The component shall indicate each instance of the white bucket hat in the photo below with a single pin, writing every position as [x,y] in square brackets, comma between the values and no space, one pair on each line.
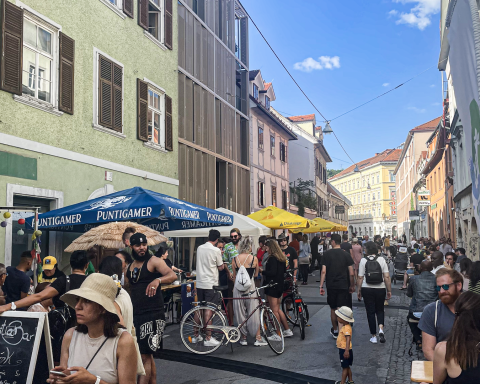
[97,287]
[345,313]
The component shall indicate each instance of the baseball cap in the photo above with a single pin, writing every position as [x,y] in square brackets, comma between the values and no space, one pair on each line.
[138,238]
[49,263]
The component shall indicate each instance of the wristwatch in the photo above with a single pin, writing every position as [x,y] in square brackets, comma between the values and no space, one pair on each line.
[98,380]
[13,306]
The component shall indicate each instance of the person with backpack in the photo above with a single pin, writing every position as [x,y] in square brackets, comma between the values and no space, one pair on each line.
[373,282]
[245,269]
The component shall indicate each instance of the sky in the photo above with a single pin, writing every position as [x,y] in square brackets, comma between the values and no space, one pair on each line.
[344,53]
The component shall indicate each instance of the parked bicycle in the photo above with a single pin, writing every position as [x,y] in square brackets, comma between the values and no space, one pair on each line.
[206,321]
[295,309]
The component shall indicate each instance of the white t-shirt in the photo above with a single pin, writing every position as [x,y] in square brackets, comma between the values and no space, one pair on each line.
[361,272]
[209,258]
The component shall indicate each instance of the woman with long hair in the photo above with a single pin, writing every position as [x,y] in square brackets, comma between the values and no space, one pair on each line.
[242,308]
[457,360]
[274,272]
[465,265]
[98,350]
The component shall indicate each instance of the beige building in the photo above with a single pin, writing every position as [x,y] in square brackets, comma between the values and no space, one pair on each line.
[268,148]
[406,175]
[338,206]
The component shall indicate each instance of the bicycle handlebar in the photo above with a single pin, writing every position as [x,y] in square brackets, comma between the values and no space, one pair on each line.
[256,289]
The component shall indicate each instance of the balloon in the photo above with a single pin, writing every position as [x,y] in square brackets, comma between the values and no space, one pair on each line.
[21,221]
[20,232]
[3,224]
[38,233]
[7,215]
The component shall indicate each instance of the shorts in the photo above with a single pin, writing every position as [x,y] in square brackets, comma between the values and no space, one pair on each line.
[337,298]
[149,328]
[345,363]
[208,295]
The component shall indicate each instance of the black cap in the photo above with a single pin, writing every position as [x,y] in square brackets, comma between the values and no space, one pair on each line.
[138,238]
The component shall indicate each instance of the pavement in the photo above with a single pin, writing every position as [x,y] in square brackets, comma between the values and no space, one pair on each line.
[314,360]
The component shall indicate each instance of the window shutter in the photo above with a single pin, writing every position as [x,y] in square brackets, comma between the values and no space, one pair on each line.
[11,48]
[142,110]
[169,24]
[66,84]
[105,92]
[168,124]
[143,14]
[128,8]
[117,98]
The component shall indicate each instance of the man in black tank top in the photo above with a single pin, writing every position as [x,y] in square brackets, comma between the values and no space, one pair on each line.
[145,275]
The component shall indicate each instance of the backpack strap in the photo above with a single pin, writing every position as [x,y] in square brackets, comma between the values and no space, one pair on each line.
[67,284]
[436,309]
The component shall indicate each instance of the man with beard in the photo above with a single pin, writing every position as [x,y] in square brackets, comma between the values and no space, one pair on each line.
[230,251]
[145,275]
[290,252]
[438,317]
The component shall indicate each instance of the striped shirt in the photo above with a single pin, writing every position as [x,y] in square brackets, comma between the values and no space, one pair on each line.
[474,288]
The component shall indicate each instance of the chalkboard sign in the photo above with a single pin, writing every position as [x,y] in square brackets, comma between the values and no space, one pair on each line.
[20,336]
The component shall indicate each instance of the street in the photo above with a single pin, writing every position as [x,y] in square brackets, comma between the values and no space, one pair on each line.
[313,360]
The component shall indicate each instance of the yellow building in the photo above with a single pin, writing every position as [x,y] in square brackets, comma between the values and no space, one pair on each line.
[371,191]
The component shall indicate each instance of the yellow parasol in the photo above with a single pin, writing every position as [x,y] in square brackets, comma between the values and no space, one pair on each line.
[317,225]
[276,218]
[340,228]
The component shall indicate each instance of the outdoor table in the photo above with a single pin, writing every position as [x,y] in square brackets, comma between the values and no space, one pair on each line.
[170,286]
[422,371]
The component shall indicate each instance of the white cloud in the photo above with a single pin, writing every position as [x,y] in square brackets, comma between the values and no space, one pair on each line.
[385,84]
[420,15]
[436,104]
[432,86]
[323,62]
[418,110]
[393,12]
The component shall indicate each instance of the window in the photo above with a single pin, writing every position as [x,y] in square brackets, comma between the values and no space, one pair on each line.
[363,182]
[378,195]
[284,199]
[272,145]
[364,198]
[378,179]
[392,177]
[379,212]
[156,120]
[255,91]
[261,194]
[368,197]
[38,61]
[155,27]
[267,102]
[260,137]
[283,152]
[274,196]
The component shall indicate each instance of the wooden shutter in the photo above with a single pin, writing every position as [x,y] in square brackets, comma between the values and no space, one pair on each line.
[11,46]
[142,110]
[117,98]
[143,14]
[66,83]
[169,24]
[128,8]
[168,124]
[105,92]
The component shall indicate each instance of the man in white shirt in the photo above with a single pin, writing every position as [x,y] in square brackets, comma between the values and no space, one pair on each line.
[209,262]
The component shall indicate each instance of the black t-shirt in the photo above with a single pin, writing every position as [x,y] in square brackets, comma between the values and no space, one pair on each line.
[61,286]
[291,254]
[17,282]
[50,279]
[337,262]
[346,246]
[169,263]
[417,258]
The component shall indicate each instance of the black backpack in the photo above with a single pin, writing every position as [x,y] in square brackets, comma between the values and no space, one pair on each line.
[373,271]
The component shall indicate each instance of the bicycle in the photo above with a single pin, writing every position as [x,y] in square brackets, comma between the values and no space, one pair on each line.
[194,329]
[295,309]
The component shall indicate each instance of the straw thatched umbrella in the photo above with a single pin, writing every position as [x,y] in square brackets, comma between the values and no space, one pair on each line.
[110,236]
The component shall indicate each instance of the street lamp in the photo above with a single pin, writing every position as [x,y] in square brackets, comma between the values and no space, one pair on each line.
[368,186]
[356,169]
[327,130]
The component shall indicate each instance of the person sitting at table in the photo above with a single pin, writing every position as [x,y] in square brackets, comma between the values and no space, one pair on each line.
[457,360]
[162,253]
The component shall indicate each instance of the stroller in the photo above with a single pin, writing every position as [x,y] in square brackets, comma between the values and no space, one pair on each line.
[400,264]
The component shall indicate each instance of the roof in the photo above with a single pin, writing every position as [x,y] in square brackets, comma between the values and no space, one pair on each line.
[335,192]
[299,119]
[266,86]
[253,74]
[428,126]
[387,156]
[318,128]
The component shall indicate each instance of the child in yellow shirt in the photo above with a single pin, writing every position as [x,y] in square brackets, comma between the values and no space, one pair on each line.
[344,343]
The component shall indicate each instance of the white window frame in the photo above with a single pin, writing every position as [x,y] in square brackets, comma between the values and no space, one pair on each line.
[267,104]
[161,92]
[95,124]
[117,7]
[255,88]
[161,9]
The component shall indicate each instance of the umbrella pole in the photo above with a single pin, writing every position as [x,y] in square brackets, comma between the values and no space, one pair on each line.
[35,249]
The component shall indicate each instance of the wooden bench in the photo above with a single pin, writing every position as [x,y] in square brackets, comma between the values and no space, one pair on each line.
[422,371]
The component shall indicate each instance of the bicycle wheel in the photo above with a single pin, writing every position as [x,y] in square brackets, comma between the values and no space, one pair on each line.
[288,308]
[301,324]
[198,336]
[272,331]
[306,315]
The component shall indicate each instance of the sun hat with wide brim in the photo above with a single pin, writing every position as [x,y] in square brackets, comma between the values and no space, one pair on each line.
[345,313]
[98,288]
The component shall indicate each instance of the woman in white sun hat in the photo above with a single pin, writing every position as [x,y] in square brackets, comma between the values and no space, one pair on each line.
[98,350]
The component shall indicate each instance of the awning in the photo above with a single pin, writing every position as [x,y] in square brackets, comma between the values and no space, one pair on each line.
[246,226]
[276,218]
[152,209]
[317,225]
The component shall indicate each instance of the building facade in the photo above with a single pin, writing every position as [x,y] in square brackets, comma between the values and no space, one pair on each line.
[213,130]
[338,206]
[406,176]
[268,148]
[371,192]
[85,109]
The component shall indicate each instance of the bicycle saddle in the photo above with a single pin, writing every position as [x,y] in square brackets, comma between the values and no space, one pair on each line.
[220,287]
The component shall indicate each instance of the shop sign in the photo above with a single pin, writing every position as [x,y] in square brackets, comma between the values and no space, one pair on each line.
[434,206]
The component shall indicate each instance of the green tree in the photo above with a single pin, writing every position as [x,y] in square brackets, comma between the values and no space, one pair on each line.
[304,195]
[333,172]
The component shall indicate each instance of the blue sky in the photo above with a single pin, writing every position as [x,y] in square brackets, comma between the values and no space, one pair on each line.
[343,53]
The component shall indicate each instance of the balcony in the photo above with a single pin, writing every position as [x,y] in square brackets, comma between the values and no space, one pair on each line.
[360,216]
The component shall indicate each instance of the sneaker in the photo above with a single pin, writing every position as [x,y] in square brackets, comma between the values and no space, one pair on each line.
[373,340]
[334,333]
[349,382]
[287,333]
[274,337]
[196,339]
[211,343]
[304,283]
[243,342]
[381,335]
[311,274]
[260,342]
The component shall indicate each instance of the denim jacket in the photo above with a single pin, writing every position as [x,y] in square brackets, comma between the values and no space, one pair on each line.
[422,291]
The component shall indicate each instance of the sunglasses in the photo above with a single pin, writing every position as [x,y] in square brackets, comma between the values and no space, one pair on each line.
[135,275]
[444,286]
[235,237]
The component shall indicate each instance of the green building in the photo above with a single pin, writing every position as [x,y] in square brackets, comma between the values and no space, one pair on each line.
[88,106]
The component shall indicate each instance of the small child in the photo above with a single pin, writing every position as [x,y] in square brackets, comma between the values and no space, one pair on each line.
[344,343]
